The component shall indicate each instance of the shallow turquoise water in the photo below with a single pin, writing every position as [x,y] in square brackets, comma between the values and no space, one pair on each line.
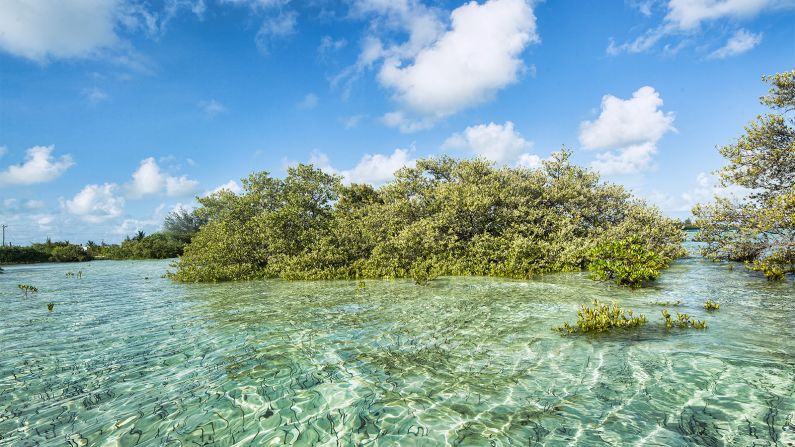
[129,358]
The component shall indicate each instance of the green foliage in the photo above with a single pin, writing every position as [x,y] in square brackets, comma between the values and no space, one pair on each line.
[626,262]
[711,305]
[50,306]
[153,246]
[668,303]
[27,288]
[69,253]
[682,321]
[22,255]
[182,225]
[602,318]
[759,228]
[441,217]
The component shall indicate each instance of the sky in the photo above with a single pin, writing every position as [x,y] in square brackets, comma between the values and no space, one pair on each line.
[115,112]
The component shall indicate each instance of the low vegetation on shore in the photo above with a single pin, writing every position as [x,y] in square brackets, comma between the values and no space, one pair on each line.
[178,229]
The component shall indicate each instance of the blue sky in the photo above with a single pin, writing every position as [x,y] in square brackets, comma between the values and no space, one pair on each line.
[113,112]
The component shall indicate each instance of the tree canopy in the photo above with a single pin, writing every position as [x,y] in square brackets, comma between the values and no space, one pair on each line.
[440,217]
[758,228]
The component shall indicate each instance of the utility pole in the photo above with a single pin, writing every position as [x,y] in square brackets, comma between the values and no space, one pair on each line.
[4,234]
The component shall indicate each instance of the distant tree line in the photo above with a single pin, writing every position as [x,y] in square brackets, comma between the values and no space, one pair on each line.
[178,229]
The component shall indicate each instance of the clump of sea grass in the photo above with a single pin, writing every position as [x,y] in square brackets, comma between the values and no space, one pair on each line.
[50,306]
[682,321]
[668,303]
[602,318]
[711,305]
[27,288]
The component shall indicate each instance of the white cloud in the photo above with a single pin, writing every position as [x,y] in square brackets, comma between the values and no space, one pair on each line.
[34,204]
[641,44]
[279,26]
[211,107]
[407,124]
[328,45]
[95,95]
[44,220]
[468,64]
[377,168]
[686,17]
[529,161]
[308,103]
[496,142]
[689,14]
[231,186]
[148,179]
[627,121]
[739,43]
[39,167]
[180,186]
[632,126]
[351,122]
[707,187]
[374,169]
[40,30]
[627,160]
[96,203]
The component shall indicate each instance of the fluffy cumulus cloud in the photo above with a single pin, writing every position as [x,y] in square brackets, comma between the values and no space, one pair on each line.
[627,121]
[149,179]
[629,129]
[497,142]
[374,169]
[231,186]
[739,43]
[180,186]
[687,18]
[40,166]
[466,65]
[42,30]
[96,203]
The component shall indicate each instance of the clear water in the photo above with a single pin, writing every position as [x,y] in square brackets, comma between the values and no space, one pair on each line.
[129,358]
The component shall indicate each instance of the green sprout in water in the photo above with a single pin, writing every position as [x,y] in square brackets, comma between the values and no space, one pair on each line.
[27,288]
[668,303]
[50,306]
[682,321]
[711,305]
[602,318]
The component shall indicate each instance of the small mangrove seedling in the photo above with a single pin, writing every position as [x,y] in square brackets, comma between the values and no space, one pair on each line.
[682,321]
[711,305]
[27,288]
[79,273]
[668,303]
[50,306]
[601,318]
[70,274]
